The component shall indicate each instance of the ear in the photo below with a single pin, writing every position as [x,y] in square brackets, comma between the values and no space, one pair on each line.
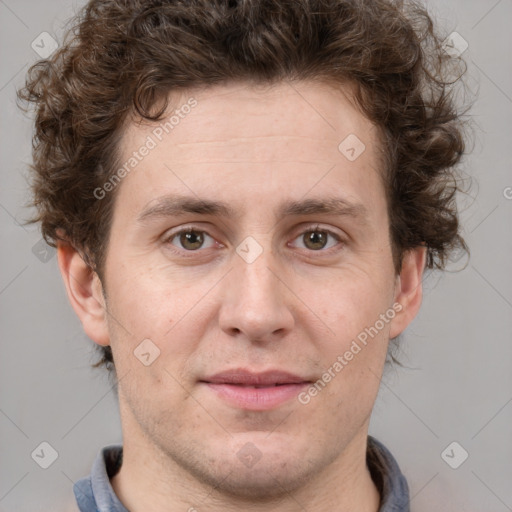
[408,289]
[85,292]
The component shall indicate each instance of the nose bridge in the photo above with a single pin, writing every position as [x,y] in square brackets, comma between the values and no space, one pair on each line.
[252,271]
[256,278]
[255,303]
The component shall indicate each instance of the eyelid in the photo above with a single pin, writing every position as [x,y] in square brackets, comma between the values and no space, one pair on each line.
[315,226]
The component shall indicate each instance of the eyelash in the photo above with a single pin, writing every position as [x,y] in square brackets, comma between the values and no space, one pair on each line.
[313,228]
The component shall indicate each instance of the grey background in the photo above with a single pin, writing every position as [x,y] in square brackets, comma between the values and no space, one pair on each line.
[459,350]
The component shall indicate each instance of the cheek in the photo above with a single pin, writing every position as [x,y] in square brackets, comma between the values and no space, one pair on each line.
[173,316]
[351,374]
[149,302]
[349,299]
[151,394]
[357,308]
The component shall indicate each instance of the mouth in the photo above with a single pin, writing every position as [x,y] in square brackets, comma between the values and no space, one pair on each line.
[244,389]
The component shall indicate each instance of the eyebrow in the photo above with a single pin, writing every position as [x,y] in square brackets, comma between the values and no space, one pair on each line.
[177,205]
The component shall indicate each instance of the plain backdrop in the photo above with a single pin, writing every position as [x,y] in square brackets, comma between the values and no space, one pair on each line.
[458,384]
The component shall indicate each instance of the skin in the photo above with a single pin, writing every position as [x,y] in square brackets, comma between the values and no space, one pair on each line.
[297,307]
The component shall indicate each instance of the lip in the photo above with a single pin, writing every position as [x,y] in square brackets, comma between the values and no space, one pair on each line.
[261,391]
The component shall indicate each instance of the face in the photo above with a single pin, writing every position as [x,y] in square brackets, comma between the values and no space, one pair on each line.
[251,251]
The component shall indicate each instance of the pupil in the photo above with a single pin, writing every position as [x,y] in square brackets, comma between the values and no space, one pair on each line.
[191,240]
[316,240]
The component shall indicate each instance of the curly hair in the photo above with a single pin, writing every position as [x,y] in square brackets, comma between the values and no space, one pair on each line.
[123,57]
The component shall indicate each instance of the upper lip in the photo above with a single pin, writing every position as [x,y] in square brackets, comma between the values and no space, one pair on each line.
[245,377]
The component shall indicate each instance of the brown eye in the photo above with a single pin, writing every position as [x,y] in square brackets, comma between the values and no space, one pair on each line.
[315,239]
[191,240]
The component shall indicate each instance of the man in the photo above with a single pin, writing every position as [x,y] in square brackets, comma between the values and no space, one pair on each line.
[244,196]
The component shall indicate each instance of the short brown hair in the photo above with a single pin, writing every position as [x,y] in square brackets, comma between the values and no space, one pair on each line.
[124,56]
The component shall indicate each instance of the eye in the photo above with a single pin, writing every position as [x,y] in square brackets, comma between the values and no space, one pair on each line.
[189,239]
[317,239]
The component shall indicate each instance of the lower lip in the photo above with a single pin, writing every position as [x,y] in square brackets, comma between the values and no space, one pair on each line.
[256,399]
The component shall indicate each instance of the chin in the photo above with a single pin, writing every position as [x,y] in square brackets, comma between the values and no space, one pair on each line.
[254,467]
[266,481]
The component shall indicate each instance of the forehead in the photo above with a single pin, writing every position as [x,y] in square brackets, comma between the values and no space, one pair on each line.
[262,136]
[240,114]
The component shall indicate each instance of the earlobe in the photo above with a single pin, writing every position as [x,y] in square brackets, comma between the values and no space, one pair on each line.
[84,291]
[409,290]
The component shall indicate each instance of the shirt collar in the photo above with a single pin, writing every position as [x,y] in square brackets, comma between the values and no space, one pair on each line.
[388,478]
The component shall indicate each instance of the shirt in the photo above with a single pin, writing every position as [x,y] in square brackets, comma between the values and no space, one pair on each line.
[95,494]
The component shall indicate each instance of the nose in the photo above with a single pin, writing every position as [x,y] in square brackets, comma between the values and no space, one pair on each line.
[256,301]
